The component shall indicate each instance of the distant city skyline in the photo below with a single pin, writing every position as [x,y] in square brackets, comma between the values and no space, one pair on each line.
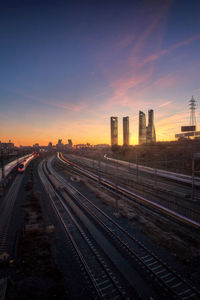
[146,132]
[67,67]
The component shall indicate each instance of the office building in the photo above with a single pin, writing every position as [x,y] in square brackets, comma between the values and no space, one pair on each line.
[142,128]
[126,131]
[114,130]
[50,146]
[59,145]
[70,143]
[150,130]
[7,146]
[147,134]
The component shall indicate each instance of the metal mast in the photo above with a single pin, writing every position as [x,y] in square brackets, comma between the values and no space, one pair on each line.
[192,105]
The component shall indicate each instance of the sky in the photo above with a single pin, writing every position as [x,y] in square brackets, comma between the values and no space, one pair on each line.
[66,67]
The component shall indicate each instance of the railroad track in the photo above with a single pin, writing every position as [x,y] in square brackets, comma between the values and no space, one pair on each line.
[3,287]
[103,167]
[6,210]
[157,268]
[151,186]
[141,200]
[160,172]
[100,276]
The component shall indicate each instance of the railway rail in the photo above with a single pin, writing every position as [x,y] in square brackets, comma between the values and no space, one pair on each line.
[11,165]
[136,176]
[132,195]
[162,173]
[156,268]
[102,279]
[176,200]
[6,210]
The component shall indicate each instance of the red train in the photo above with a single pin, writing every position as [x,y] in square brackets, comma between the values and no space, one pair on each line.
[21,168]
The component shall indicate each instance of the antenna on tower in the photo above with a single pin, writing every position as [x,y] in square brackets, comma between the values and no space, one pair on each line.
[192,105]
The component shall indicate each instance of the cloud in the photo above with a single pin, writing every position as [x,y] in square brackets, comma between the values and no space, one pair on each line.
[120,88]
[76,107]
[165,81]
[171,120]
[129,73]
[124,42]
[140,43]
[161,53]
[165,104]
[138,75]
[169,125]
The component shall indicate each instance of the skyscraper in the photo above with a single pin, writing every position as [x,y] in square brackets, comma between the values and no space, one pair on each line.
[151,134]
[70,143]
[142,128]
[114,130]
[126,131]
[59,145]
[50,146]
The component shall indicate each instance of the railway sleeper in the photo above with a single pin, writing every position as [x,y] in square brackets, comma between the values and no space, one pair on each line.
[170,280]
[190,296]
[112,294]
[185,292]
[102,283]
[165,276]
[148,260]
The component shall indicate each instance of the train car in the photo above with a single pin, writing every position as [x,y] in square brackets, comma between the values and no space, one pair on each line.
[36,154]
[21,168]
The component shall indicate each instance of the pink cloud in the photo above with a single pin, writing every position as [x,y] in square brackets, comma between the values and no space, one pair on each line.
[133,60]
[165,104]
[124,42]
[122,85]
[134,76]
[59,103]
[78,107]
[161,53]
[165,81]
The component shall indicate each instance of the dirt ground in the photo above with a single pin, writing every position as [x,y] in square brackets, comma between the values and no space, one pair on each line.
[35,275]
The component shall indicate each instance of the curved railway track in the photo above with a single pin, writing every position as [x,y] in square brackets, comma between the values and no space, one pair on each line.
[108,184]
[162,173]
[137,176]
[7,205]
[103,280]
[172,201]
[6,210]
[157,268]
